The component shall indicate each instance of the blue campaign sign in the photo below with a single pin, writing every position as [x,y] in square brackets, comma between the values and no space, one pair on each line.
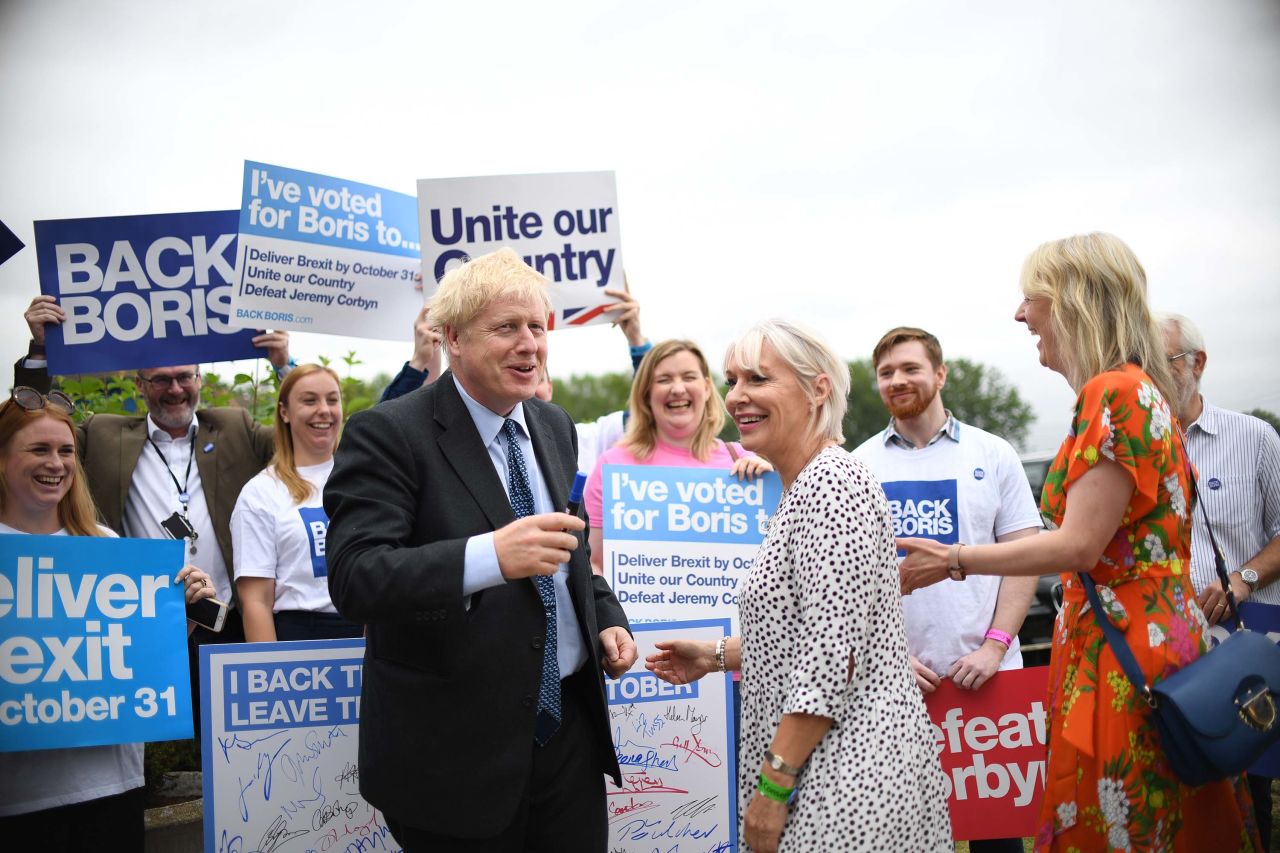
[672,504]
[141,291]
[93,642]
[290,204]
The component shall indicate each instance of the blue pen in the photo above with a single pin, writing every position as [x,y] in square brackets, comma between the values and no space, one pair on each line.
[575,493]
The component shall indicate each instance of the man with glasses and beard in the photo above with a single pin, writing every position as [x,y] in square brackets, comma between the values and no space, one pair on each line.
[954,483]
[177,466]
[1237,460]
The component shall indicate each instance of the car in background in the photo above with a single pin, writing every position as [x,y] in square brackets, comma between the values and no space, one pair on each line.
[1036,635]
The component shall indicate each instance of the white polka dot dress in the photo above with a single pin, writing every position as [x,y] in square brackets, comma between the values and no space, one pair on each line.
[824,591]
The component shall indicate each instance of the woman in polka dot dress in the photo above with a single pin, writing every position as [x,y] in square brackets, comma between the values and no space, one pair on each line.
[836,751]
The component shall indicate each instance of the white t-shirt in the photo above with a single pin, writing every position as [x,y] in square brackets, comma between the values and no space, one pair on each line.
[273,537]
[48,778]
[596,437]
[969,490]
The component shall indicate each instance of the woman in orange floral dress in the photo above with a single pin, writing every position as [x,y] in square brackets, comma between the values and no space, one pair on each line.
[1119,496]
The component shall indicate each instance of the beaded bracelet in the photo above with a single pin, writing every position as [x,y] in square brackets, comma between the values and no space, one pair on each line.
[720,664]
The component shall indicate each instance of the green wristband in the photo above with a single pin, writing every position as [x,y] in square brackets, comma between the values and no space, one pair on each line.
[767,787]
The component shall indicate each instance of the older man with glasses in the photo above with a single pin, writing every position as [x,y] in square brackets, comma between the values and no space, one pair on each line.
[175,471]
[1237,457]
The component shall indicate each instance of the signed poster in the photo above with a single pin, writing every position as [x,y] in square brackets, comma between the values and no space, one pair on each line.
[676,747]
[280,733]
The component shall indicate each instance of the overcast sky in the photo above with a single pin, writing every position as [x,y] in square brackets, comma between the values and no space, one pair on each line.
[851,165]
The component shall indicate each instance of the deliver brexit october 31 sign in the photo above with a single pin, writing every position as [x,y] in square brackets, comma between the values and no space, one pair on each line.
[564,225]
[141,291]
[678,542]
[323,254]
[93,642]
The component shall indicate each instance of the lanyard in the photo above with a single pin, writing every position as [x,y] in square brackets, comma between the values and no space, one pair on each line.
[183,495]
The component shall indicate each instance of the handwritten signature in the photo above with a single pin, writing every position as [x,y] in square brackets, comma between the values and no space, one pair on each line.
[694,748]
[350,775]
[643,783]
[237,742]
[641,829]
[332,810]
[263,774]
[631,806]
[278,833]
[646,727]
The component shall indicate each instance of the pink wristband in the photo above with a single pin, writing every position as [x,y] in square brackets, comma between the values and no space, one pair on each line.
[1000,637]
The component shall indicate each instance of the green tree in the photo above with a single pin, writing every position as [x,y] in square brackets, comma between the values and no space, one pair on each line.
[588,397]
[1270,417]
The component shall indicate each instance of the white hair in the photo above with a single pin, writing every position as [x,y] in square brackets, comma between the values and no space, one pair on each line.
[1189,336]
[808,356]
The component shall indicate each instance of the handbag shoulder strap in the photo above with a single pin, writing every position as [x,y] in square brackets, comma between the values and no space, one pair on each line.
[1219,562]
[1124,654]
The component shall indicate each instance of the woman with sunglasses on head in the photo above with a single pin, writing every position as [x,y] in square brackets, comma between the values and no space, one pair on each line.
[1118,496]
[90,798]
[279,524]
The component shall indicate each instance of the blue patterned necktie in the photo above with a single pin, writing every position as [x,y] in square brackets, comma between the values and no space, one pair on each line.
[521,497]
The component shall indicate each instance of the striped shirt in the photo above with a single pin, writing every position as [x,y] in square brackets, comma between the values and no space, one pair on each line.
[1237,459]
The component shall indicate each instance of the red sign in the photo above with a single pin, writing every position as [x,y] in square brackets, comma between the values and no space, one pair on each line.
[992,744]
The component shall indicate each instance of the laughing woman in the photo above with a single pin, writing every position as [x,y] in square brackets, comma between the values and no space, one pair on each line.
[278,526]
[675,417]
[90,798]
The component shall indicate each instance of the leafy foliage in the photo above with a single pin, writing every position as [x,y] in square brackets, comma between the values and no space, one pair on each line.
[975,393]
[1270,417]
[117,393]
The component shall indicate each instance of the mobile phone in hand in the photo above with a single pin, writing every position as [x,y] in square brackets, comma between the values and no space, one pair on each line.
[209,613]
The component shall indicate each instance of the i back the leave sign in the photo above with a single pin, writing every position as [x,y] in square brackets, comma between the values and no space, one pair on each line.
[992,744]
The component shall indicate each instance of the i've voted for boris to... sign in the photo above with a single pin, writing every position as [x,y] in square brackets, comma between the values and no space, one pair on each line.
[992,743]
[679,542]
[564,225]
[324,254]
[141,291]
[281,729]
[93,642]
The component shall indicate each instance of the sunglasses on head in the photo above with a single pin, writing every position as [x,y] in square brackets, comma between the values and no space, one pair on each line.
[32,400]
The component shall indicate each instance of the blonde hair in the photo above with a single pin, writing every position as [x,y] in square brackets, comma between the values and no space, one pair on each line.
[1098,312]
[283,463]
[642,430]
[807,356]
[467,290]
[76,512]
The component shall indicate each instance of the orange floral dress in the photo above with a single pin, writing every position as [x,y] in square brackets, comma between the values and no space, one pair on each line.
[1108,786]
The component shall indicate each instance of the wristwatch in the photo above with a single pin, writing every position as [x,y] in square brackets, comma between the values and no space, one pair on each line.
[1250,577]
[778,764]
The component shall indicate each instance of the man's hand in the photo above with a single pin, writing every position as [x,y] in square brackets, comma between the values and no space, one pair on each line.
[1213,601]
[536,544]
[626,313]
[43,310]
[926,679]
[277,345]
[619,651]
[974,669]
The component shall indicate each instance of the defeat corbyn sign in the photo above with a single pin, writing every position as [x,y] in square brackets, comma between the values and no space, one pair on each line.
[992,744]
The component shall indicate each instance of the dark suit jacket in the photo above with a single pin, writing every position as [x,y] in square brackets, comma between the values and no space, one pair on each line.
[111,444]
[449,694]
